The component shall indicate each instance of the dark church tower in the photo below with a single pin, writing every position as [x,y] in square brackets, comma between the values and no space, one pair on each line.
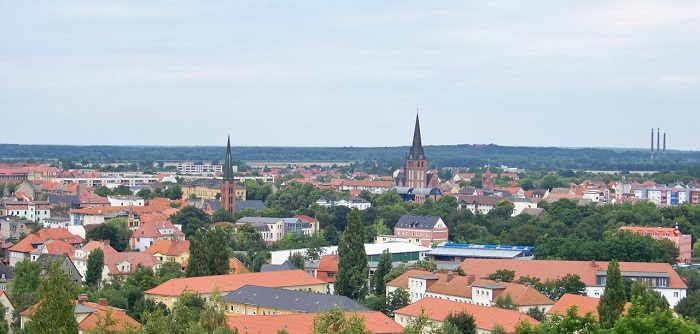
[416,169]
[228,184]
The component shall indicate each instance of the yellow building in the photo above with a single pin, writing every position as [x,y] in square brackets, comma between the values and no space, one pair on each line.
[166,250]
[208,189]
[257,300]
[206,286]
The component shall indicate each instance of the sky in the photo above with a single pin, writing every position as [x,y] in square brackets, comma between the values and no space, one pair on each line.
[330,73]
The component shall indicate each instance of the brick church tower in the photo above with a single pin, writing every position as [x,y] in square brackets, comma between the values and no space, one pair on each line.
[416,169]
[228,184]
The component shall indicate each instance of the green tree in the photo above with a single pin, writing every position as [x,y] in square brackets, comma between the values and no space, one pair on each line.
[397,299]
[55,313]
[505,302]
[649,300]
[191,219]
[116,230]
[95,264]
[102,191]
[612,303]
[462,321]
[334,321]
[639,320]
[298,260]
[173,192]
[222,215]
[504,275]
[572,322]
[23,288]
[122,190]
[383,268]
[353,268]
[396,271]
[209,253]
[536,313]
[690,306]
[426,265]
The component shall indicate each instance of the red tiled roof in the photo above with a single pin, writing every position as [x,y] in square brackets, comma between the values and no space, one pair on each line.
[122,321]
[584,305]
[152,230]
[485,317]
[169,247]
[553,269]
[231,282]
[375,322]
[133,258]
[44,235]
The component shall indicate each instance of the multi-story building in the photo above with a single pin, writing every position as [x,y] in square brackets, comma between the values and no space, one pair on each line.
[208,189]
[37,211]
[354,202]
[150,232]
[659,277]
[200,169]
[682,241]
[430,229]
[273,229]
[126,201]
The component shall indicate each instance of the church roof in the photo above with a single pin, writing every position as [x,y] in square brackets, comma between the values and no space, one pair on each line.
[416,152]
[228,164]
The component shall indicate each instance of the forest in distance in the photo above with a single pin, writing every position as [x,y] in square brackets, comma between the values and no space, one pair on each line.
[465,155]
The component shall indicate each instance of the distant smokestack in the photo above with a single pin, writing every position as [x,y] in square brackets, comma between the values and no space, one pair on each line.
[664,142]
[652,143]
[658,140]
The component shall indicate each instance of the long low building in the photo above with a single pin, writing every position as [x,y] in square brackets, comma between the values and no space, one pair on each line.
[487,319]
[451,255]
[657,276]
[204,286]
[258,300]
[375,323]
[400,252]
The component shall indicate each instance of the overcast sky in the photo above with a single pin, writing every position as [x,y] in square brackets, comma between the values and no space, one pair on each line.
[324,73]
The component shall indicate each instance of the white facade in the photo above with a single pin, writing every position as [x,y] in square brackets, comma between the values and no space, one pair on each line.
[125,201]
[194,169]
[29,210]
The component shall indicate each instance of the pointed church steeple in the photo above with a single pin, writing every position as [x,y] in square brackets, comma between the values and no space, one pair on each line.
[228,164]
[416,152]
[228,184]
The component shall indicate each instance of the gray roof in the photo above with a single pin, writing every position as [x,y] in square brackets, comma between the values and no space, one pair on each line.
[414,221]
[286,265]
[264,220]
[490,286]
[69,199]
[299,301]
[80,308]
[9,274]
[205,182]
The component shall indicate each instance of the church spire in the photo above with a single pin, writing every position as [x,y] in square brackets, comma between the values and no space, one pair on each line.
[228,164]
[416,152]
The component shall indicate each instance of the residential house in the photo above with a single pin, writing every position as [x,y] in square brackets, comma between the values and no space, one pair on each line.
[148,233]
[21,251]
[6,275]
[13,228]
[374,187]
[487,319]
[36,211]
[659,277]
[682,241]
[384,238]
[90,316]
[467,289]
[52,247]
[328,270]
[300,323]
[81,254]
[286,265]
[167,250]
[7,306]
[204,286]
[430,229]
[478,203]
[237,267]
[65,263]
[258,300]
[121,264]
[273,229]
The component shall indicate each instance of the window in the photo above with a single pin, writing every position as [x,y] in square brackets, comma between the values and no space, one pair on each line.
[675,294]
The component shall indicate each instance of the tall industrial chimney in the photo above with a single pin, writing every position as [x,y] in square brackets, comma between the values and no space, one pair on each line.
[652,143]
[658,141]
[664,142]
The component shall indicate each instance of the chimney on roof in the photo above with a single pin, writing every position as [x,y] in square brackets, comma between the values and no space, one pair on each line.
[105,242]
[82,299]
[471,279]
[450,276]
[498,280]
[102,302]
